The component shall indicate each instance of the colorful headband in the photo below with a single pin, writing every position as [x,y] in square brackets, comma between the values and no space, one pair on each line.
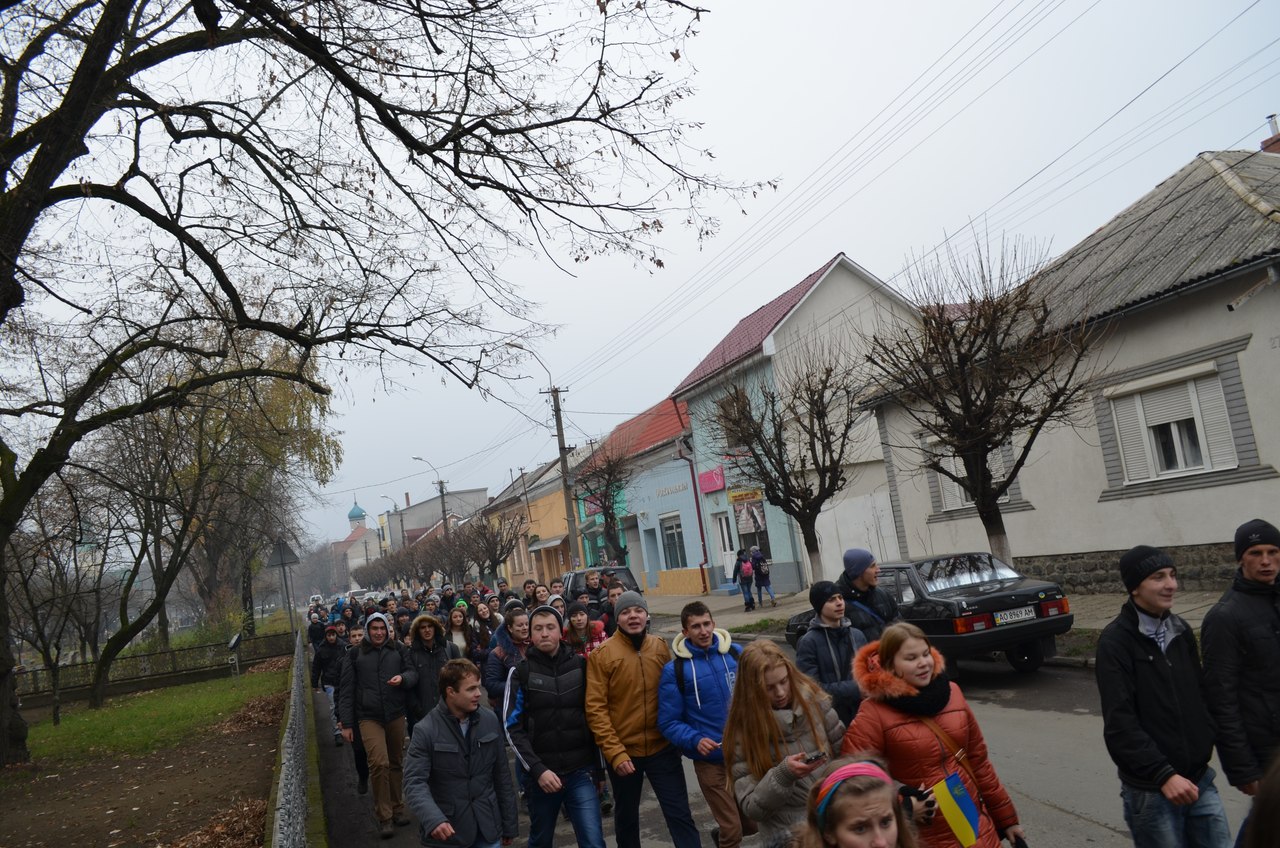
[839,776]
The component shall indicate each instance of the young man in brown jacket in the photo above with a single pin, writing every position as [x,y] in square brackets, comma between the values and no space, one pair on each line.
[622,710]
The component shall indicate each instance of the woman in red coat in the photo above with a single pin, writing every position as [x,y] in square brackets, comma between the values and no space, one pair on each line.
[902,682]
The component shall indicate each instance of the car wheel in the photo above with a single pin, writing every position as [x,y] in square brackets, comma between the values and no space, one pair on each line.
[1025,657]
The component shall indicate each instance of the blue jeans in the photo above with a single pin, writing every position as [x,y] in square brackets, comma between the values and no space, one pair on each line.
[333,710]
[761,588]
[666,777]
[578,795]
[1154,822]
[745,586]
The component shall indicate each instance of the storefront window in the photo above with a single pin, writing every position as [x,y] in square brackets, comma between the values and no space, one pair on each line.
[673,542]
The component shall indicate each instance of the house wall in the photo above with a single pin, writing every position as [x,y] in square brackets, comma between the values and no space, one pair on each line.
[662,490]
[1076,522]
[546,520]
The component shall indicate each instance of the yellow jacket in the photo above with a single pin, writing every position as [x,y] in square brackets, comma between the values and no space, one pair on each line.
[622,697]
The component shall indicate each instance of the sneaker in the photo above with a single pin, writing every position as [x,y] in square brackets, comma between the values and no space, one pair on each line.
[386,830]
[362,788]
[401,819]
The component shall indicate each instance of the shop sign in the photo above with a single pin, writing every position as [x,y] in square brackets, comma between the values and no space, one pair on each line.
[737,496]
[711,481]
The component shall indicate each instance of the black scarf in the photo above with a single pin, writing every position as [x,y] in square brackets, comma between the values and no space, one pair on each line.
[928,701]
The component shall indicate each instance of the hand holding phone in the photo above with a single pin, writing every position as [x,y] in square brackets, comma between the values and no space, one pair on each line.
[810,759]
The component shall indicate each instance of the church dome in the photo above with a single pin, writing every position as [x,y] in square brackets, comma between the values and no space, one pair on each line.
[356,512]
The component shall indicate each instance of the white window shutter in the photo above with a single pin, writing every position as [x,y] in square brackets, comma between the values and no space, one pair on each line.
[1167,403]
[1220,443]
[1129,433]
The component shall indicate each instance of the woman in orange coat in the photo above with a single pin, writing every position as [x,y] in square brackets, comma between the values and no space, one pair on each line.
[904,686]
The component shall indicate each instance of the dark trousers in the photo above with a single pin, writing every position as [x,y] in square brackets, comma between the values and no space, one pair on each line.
[358,753]
[666,776]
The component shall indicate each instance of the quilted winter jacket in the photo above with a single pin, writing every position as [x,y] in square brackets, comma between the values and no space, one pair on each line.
[465,782]
[708,685]
[916,756]
[1241,637]
[622,697]
[364,693]
[776,802]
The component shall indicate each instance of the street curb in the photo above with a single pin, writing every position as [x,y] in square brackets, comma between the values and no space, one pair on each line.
[1072,662]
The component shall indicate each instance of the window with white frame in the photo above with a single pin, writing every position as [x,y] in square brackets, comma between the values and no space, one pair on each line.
[673,541]
[1174,423]
[956,497]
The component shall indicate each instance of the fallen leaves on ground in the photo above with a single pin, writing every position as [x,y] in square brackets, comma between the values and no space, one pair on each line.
[263,711]
[274,664]
[242,825]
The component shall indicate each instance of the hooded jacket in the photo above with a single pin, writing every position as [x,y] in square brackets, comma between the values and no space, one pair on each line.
[462,780]
[776,802]
[699,713]
[427,659]
[870,611]
[1155,719]
[504,656]
[326,665]
[825,653]
[1242,676]
[622,697]
[365,693]
[916,756]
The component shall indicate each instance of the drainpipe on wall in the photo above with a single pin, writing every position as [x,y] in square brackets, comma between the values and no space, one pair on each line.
[697,504]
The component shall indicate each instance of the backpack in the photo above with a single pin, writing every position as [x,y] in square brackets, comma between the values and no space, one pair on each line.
[747,570]
[734,650]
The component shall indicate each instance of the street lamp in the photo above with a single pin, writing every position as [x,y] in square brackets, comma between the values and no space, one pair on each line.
[444,513]
[571,518]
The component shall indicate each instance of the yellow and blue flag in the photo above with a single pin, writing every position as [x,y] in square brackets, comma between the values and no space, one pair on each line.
[957,807]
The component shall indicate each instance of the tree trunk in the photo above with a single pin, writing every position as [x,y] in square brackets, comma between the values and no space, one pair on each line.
[997,538]
[809,531]
[13,729]
[162,627]
[248,625]
[55,677]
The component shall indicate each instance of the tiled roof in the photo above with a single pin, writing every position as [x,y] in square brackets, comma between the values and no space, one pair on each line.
[750,333]
[1220,211]
[655,426]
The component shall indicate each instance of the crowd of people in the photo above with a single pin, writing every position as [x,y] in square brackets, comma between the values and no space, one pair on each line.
[863,740]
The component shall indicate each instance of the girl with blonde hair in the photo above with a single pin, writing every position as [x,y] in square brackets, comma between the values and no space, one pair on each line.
[780,732]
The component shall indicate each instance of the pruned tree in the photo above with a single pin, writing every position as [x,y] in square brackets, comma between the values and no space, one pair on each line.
[345,177]
[488,542]
[601,482]
[796,435]
[986,368]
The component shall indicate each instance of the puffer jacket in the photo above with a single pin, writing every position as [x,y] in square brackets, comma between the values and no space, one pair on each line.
[546,723]
[622,697]
[870,611]
[463,781]
[708,685]
[916,756]
[427,660]
[1242,677]
[365,693]
[776,802]
[504,656]
[826,653]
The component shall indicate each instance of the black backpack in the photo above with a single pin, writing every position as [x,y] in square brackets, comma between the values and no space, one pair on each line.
[734,650]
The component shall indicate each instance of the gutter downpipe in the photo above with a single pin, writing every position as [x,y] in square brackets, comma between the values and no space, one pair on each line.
[697,503]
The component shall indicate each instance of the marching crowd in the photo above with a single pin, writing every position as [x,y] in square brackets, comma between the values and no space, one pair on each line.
[862,741]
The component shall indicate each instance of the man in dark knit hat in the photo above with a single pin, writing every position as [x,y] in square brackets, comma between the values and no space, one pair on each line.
[1242,658]
[1156,723]
[825,652]
[868,607]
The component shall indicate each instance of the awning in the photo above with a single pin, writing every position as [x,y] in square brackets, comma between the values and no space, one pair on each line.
[553,542]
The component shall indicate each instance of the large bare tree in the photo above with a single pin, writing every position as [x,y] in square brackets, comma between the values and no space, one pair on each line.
[984,369]
[345,176]
[795,434]
[488,542]
[601,482]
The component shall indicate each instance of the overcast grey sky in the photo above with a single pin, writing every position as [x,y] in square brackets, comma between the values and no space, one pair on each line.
[890,126]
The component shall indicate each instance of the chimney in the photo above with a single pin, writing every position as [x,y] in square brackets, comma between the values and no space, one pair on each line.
[1272,145]
[406,500]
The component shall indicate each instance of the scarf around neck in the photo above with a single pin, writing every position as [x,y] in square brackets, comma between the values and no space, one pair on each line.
[927,701]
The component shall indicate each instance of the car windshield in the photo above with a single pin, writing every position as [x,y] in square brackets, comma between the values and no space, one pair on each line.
[953,572]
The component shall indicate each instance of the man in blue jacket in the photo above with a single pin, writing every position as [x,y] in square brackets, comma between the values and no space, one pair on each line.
[693,704]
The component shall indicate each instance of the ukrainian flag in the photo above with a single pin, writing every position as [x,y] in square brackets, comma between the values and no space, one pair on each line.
[957,807]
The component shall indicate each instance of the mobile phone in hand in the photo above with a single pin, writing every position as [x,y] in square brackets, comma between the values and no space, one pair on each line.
[810,759]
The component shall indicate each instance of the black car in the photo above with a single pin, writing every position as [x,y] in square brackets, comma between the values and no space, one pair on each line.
[971,604]
[574,580]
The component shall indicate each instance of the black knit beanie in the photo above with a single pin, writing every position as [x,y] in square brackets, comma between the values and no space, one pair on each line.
[1137,564]
[820,593]
[1255,532]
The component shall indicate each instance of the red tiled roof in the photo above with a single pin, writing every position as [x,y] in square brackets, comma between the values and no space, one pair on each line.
[750,333]
[661,423]
[352,537]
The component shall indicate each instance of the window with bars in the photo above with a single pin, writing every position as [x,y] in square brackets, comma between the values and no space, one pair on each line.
[1173,425]
[673,542]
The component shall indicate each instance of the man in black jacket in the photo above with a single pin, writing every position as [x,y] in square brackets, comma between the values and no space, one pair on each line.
[375,679]
[1242,658]
[456,776]
[547,725]
[326,672]
[868,607]
[1156,723]
[826,651]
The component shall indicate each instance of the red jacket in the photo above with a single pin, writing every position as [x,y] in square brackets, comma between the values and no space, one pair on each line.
[916,756]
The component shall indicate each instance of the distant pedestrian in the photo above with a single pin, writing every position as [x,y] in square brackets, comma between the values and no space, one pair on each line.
[868,607]
[608,609]
[456,778]
[743,571]
[1242,660]
[315,630]
[622,710]
[764,583]
[509,646]
[358,755]
[376,677]
[326,674]
[827,649]
[1156,723]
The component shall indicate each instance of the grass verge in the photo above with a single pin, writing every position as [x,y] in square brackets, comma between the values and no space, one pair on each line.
[1078,642]
[764,625]
[148,721]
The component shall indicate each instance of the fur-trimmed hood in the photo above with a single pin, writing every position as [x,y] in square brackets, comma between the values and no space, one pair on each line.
[881,684]
[680,646]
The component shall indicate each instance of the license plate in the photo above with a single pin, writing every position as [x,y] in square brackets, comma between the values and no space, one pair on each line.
[1010,616]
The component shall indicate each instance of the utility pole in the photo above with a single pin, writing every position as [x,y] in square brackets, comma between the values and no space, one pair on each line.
[570,517]
[444,513]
